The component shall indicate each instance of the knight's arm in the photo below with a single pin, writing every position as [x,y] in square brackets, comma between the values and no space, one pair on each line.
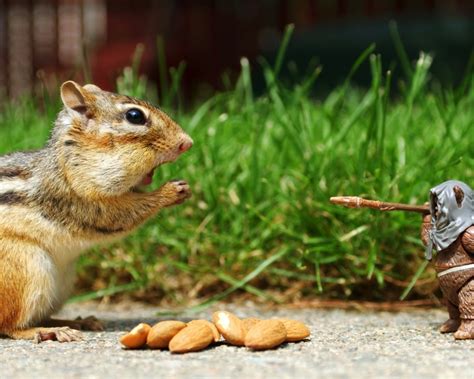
[425,229]
[467,240]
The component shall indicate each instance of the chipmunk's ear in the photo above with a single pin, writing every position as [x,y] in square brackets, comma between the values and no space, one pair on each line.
[92,87]
[72,95]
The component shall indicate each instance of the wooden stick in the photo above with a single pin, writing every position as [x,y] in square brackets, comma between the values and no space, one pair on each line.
[359,202]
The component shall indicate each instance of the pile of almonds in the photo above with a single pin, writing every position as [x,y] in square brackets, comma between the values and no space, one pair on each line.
[180,337]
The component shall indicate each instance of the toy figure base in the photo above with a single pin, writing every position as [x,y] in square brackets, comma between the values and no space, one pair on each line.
[465,331]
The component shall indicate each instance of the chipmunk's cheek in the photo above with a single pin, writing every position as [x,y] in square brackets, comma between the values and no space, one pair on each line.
[184,144]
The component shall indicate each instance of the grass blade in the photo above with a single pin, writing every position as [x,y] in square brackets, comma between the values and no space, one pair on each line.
[400,49]
[413,281]
[162,70]
[109,291]
[238,284]
[282,50]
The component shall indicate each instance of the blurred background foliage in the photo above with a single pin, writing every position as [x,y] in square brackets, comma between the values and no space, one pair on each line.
[274,139]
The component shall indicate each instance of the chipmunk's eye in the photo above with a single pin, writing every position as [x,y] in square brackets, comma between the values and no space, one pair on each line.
[135,116]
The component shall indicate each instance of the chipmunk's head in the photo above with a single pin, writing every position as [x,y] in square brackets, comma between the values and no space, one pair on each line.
[110,144]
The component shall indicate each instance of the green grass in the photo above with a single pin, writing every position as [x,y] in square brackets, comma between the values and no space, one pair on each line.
[262,170]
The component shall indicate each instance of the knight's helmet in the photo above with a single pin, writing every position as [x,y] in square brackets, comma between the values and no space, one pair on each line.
[452,212]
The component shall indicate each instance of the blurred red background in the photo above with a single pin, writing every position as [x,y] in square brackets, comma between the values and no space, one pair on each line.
[58,36]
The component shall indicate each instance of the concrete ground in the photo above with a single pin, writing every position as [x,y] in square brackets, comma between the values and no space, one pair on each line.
[344,344]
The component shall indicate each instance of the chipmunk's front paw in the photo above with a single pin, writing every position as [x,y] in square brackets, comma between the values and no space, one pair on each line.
[175,192]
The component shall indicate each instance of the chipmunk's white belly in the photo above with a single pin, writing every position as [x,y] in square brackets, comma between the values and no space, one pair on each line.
[50,264]
[52,282]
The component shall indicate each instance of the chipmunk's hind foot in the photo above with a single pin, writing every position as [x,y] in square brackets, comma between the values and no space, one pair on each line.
[62,334]
[89,323]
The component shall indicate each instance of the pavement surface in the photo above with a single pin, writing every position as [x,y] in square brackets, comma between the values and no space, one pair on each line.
[343,344]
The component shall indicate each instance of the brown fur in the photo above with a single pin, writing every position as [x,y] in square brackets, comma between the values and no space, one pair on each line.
[12,172]
[19,237]
[13,282]
[12,198]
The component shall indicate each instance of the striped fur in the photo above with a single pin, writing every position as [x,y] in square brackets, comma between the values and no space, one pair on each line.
[12,197]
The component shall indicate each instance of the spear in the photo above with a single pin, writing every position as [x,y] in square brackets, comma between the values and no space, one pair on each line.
[359,202]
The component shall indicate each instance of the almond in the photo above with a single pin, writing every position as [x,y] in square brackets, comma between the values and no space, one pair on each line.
[192,338]
[230,326]
[266,334]
[136,337]
[295,330]
[215,332]
[249,322]
[161,333]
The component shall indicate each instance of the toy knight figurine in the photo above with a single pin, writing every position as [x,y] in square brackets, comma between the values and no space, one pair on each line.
[449,229]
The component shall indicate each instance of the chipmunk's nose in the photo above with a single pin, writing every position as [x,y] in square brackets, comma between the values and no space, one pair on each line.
[186,143]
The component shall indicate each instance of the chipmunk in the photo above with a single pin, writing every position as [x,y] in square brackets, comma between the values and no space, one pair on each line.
[83,188]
